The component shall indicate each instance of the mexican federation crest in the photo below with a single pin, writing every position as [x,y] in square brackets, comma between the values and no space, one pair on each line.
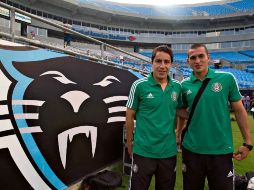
[216,87]
[174,96]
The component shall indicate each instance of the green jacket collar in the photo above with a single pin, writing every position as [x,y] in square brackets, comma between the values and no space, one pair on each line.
[154,82]
[210,74]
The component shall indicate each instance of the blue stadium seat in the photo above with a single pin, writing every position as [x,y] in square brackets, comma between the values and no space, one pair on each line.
[231,56]
[249,53]
[244,79]
[243,5]
[180,57]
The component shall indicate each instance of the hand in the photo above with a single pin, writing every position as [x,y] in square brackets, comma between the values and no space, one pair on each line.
[241,154]
[129,146]
[183,113]
[178,138]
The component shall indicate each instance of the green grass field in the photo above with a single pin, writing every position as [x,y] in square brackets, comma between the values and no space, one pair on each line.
[241,167]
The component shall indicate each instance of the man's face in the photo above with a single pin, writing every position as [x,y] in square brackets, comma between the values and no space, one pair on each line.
[161,66]
[198,60]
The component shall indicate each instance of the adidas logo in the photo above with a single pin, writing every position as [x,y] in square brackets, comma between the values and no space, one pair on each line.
[230,174]
[188,92]
[150,95]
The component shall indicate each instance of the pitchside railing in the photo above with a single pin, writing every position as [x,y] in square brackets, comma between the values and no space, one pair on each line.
[37,43]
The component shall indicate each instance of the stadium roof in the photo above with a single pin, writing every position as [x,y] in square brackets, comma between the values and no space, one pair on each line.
[162,10]
[163,2]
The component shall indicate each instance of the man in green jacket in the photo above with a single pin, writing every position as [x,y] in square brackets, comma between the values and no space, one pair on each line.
[207,143]
[152,102]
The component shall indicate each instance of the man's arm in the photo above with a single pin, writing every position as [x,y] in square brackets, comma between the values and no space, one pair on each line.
[242,121]
[182,116]
[130,116]
[183,113]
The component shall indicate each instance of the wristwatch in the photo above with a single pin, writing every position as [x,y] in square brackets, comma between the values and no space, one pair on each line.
[249,146]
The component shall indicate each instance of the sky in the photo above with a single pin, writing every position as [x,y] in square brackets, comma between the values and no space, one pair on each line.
[163,2]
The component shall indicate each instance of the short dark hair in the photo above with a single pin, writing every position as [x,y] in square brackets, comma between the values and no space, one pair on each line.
[163,48]
[195,46]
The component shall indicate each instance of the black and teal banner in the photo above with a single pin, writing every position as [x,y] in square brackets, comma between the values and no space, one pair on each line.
[61,118]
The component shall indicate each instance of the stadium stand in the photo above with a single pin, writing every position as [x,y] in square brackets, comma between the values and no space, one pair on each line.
[249,53]
[250,68]
[244,79]
[233,57]
[245,6]
[237,56]
[213,10]
[178,57]
[177,10]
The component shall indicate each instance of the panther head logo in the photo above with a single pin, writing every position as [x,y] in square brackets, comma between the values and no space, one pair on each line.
[69,113]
